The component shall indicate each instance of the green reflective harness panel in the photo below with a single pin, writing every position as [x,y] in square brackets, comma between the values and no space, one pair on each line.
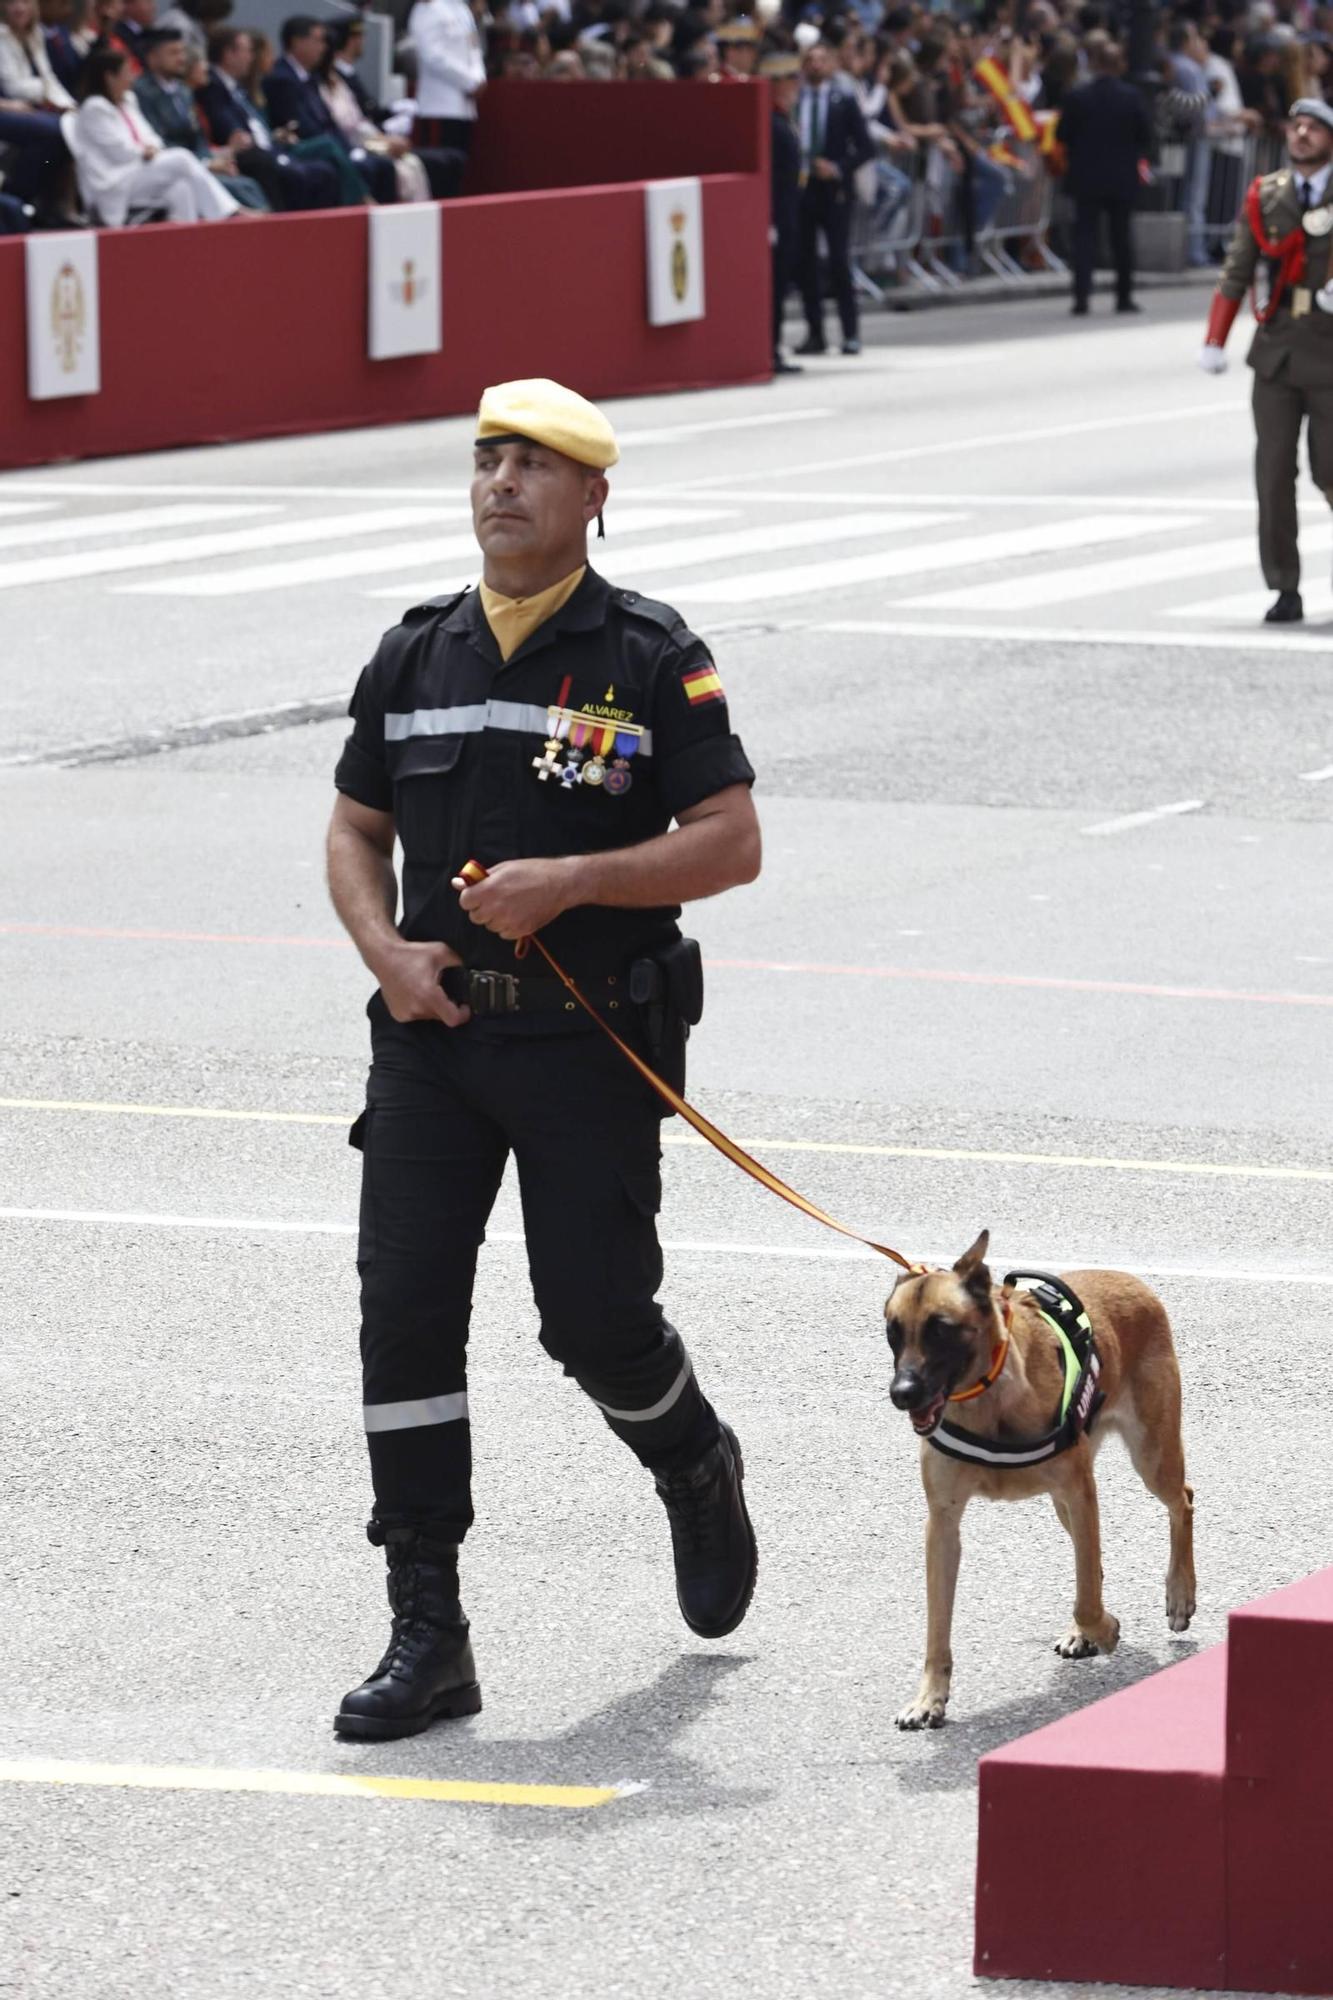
[1080,1400]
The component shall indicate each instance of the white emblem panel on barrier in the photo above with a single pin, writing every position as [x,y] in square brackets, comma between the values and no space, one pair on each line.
[64,330]
[674,217]
[404,307]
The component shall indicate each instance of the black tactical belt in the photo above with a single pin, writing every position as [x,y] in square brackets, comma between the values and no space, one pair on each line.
[488,993]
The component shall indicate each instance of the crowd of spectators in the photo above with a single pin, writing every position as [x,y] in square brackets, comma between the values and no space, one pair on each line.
[123,110]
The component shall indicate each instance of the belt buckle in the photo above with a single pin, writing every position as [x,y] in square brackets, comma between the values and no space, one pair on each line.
[493,993]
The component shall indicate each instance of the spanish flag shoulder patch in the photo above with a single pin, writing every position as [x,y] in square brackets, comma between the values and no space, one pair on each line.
[702,684]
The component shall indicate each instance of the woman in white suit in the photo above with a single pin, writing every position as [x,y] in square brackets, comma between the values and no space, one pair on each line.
[123,164]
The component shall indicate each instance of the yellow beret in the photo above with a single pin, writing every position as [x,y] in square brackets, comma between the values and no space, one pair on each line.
[549,415]
[777,68]
[739,30]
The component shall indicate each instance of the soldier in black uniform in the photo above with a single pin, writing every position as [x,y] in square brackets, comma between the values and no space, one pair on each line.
[551,728]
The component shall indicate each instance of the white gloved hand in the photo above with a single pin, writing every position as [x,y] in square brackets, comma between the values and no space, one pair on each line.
[1323,298]
[1213,360]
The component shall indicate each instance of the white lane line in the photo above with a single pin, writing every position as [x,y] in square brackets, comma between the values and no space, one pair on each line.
[371,562]
[237,541]
[965,445]
[701,1247]
[1272,640]
[1315,777]
[1061,586]
[129,521]
[627,565]
[1247,607]
[961,552]
[28,506]
[1128,820]
[709,427]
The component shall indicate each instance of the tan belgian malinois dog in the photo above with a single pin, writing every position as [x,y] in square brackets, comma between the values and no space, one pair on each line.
[992,1361]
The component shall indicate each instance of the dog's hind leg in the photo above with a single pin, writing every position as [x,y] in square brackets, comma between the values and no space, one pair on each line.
[1151,1430]
[1093,1630]
[944,1548]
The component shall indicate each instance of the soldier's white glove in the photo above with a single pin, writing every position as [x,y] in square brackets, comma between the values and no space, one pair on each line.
[1323,298]
[1213,360]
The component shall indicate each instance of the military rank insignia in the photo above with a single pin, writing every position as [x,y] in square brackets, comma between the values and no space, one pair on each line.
[701,685]
[580,743]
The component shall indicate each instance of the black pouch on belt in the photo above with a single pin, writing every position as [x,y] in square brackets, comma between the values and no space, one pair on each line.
[668,991]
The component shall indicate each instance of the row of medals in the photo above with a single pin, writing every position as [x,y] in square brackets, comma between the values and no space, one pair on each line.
[570,732]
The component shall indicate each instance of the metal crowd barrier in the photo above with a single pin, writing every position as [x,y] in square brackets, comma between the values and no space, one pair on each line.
[926,241]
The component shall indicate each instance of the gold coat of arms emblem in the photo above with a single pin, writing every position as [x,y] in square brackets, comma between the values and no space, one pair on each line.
[69,316]
[680,263]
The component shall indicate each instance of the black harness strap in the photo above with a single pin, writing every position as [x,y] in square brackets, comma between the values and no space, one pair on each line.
[1082,1399]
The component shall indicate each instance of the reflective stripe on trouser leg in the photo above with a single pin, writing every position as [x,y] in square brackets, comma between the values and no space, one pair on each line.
[415,1413]
[652,1401]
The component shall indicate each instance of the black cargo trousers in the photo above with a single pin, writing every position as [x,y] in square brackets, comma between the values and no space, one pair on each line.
[444,1109]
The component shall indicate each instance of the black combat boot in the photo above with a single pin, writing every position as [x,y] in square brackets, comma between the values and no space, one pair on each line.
[427,1674]
[1286,609]
[711,1537]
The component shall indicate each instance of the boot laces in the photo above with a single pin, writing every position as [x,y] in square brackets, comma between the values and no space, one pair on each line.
[693,1502]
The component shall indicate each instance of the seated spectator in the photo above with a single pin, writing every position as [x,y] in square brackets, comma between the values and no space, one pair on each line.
[34,161]
[451,73]
[566,66]
[196,20]
[444,167]
[294,173]
[738,42]
[359,132]
[136,19]
[26,75]
[295,101]
[640,64]
[123,165]
[70,37]
[168,104]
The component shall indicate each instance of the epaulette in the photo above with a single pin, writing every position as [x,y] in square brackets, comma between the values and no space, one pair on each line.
[434,606]
[648,607]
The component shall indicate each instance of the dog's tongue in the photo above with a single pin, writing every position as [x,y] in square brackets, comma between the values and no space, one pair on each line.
[924,1421]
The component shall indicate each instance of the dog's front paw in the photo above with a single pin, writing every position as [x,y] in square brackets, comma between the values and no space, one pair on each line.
[926,1712]
[1080,1645]
[1179,1609]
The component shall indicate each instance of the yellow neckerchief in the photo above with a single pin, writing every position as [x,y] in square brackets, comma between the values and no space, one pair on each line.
[514,619]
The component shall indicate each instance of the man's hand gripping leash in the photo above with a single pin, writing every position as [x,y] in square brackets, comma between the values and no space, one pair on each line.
[468,876]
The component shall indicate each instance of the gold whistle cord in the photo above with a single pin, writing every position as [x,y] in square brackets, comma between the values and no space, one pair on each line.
[472,873]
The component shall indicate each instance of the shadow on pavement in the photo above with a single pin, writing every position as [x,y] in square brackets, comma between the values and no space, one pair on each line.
[633,1738]
[948,1759]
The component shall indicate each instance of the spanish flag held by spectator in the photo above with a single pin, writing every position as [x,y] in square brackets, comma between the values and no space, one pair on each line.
[993,76]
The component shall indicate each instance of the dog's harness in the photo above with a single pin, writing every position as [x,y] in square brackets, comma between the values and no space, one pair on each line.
[1080,1401]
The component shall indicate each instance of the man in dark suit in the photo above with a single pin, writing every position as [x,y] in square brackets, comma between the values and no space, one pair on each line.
[783,74]
[168,104]
[444,165]
[834,144]
[1105,132]
[309,173]
[293,96]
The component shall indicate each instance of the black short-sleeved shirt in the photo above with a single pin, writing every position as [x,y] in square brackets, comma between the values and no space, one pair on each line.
[447,737]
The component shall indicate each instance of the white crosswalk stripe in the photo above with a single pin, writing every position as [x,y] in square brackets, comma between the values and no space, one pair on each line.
[371,562]
[237,541]
[1247,607]
[127,521]
[960,552]
[1062,586]
[28,506]
[693,551]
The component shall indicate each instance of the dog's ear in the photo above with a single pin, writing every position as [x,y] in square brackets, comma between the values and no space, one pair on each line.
[971,1268]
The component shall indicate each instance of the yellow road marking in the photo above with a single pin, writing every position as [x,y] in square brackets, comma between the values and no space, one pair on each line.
[1102,1163]
[317,1784]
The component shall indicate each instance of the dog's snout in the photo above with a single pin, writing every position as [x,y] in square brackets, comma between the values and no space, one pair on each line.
[908,1390]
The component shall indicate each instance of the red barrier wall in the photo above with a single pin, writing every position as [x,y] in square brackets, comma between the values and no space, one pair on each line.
[222,331]
[534,135]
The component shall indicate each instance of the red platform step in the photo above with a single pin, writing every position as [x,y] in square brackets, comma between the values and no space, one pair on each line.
[1179,1833]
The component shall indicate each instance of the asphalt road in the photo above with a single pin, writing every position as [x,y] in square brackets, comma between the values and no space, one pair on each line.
[1043,942]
